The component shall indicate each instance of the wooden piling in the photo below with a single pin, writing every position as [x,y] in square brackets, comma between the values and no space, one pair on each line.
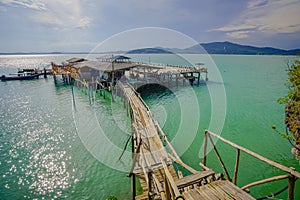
[45,73]
[133,181]
[291,188]
[73,97]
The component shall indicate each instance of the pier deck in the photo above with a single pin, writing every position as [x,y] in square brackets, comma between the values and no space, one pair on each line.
[92,71]
[152,164]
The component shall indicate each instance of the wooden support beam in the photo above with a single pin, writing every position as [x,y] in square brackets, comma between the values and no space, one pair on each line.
[203,166]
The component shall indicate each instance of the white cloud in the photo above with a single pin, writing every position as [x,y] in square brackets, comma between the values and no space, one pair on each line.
[268,17]
[67,14]
[56,14]
[33,4]
[84,22]
[238,34]
[236,28]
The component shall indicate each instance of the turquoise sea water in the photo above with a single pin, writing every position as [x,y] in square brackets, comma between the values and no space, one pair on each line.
[50,149]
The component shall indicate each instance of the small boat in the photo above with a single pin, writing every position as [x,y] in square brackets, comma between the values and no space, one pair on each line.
[20,76]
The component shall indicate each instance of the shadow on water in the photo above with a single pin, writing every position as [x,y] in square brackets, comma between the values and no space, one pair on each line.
[150,90]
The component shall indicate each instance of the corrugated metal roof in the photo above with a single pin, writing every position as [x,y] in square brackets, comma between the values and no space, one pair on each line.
[110,58]
[105,66]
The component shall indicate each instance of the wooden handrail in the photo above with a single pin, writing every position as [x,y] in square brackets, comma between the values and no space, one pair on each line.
[170,178]
[275,178]
[291,176]
[183,164]
[266,160]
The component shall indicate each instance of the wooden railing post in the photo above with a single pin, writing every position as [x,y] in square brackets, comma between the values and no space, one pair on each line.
[291,187]
[219,158]
[133,183]
[204,148]
[236,168]
[149,185]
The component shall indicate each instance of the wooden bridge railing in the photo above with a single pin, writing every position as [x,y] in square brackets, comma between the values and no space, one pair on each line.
[291,175]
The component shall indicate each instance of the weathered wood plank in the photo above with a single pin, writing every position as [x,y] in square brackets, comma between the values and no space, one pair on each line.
[217,190]
[193,178]
[233,190]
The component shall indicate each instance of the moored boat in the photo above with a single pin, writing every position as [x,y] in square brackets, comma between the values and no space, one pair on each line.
[20,76]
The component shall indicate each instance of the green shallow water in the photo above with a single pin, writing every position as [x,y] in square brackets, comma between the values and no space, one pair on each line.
[50,149]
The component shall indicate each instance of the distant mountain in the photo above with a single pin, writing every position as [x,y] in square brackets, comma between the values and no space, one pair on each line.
[232,48]
[211,48]
[219,48]
[157,50]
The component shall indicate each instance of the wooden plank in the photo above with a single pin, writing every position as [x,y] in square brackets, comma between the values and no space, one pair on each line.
[143,196]
[194,194]
[232,190]
[193,178]
[207,193]
[218,192]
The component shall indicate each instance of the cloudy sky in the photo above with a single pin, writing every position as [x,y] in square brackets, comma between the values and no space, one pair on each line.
[79,25]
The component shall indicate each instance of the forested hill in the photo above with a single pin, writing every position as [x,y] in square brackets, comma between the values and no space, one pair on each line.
[232,48]
[220,48]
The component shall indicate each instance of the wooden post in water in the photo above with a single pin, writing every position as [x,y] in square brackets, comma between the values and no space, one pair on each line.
[133,182]
[291,187]
[205,148]
[45,73]
[89,94]
[55,80]
[112,79]
[73,98]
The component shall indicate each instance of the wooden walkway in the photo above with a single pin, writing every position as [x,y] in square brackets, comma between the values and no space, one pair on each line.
[153,164]
[153,155]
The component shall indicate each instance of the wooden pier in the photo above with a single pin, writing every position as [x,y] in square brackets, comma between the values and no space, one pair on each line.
[109,70]
[153,156]
[152,163]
